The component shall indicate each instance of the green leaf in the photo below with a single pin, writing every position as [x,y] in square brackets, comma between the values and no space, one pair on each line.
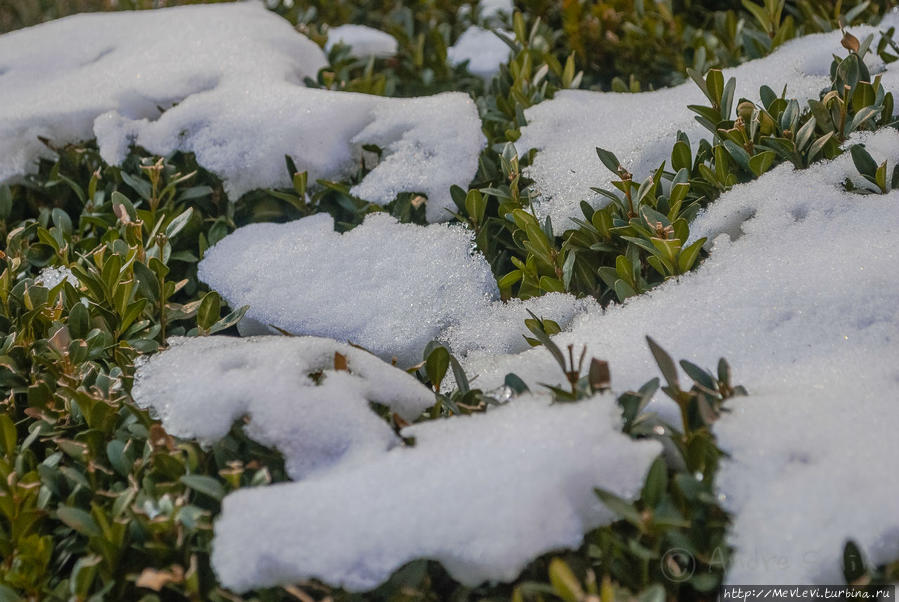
[697,78]
[853,562]
[436,365]
[83,574]
[714,81]
[209,310]
[608,159]
[688,256]
[818,145]
[760,15]
[564,582]
[8,437]
[880,178]
[656,483]
[761,162]
[534,325]
[861,117]
[624,290]
[863,161]
[568,269]
[739,154]
[668,249]
[699,375]
[176,225]
[459,374]
[804,135]
[141,187]
[79,520]
[514,382]
[681,157]
[475,206]
[205,485]
[230,320]
[710,114]
[61,220]
[665,363]
[79,321]
[551,285]
[509,279]
[767,96]
[115,452]
[619,506]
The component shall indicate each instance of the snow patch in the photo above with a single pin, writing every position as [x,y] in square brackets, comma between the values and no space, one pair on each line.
[482,494]
[386,286]
[805,312]
[51,276]
[483,50]
[640,128]
[365,41]
[200,386]
[238,103]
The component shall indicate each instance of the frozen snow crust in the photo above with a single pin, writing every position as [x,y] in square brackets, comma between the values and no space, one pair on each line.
[239,103]
[201,385]
[799,295]
[641,128]
[482,494]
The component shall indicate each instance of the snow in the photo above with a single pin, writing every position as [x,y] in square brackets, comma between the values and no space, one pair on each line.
[200,386]
[239,103]
[482,494]
[431,143]
[492,9]
[483,50]
[365,41]
[386,286]
[799,295]
[499,327]
[49,277]
[305,278]
[640,128]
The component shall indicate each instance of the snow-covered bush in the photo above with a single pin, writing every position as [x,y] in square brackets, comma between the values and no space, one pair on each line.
[528,442]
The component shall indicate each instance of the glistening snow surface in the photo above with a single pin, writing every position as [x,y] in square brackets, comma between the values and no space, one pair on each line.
[483,50]
[482,494]
[364,41]
[387,286]
[640,128]
[239,103]
[799,295]
[200,386]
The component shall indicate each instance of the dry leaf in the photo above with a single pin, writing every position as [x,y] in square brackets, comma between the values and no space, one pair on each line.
[156,580]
